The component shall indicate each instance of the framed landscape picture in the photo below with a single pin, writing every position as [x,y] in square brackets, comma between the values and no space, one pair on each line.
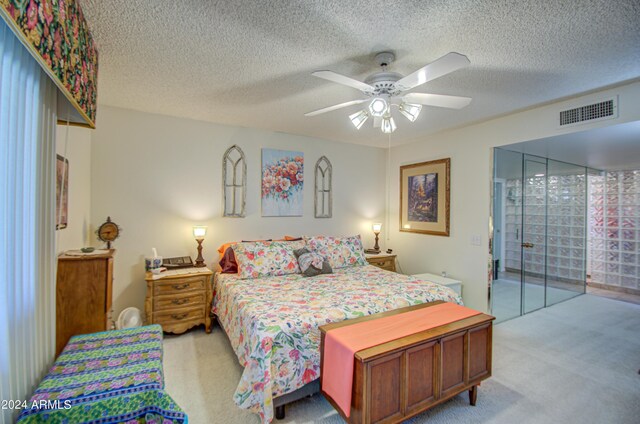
[424,197]
[282,182]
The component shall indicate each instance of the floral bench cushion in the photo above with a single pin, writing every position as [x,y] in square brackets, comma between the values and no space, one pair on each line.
[108,377]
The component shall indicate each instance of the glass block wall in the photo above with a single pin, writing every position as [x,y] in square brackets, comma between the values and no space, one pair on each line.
[513,224]
[614,229]
[566,226]
[564,207]
[534,206]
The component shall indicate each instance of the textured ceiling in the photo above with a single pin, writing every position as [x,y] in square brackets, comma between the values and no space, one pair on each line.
[248,63]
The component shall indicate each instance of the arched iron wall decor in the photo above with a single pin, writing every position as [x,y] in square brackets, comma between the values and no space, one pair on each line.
[323,199]
[234,178]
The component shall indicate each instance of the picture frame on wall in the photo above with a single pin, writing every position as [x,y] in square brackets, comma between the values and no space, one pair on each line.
[282,185]
[62,192]
[424,197]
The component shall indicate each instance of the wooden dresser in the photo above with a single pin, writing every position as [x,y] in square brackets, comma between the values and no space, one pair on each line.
[383,260]
[180,300]
[83,295]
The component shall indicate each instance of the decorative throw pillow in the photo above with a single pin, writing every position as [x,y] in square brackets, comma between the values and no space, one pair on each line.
[223,248]
[228,262]
[264,259]
[312,264]
[341,252]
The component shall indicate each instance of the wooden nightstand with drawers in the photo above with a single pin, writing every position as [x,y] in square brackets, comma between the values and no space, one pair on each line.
[180,299]
[383,260]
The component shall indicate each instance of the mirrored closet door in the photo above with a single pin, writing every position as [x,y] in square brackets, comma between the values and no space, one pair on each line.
[539,217]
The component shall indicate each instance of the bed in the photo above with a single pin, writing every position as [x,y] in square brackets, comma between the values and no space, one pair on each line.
[272,322]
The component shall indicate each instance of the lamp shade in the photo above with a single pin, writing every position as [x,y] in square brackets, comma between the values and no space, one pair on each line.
[388,125]
[376,227]
[410,111]
[359,118]
[378,107]
[199,232]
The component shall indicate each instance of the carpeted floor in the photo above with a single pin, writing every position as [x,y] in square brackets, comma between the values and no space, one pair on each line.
[575,362]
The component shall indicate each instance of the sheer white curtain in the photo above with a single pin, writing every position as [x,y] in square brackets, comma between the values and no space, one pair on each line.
[27,230]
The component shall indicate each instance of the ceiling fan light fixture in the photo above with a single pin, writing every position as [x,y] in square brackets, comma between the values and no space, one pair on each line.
[388,125]
[359,118]
[378,107]
[385,89]
[410,111]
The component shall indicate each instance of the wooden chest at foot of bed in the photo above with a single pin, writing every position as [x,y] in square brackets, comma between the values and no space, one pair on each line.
[404,377]
[179,301]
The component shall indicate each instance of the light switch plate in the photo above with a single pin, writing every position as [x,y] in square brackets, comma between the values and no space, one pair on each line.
[476,240]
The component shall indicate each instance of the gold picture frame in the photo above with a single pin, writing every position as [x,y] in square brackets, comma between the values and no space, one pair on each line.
[424,197]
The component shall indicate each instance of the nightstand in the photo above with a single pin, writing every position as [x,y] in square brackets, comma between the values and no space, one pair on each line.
[383,260]
[179,299]
[455,285]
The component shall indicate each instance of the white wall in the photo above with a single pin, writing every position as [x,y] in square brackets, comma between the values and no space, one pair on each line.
[470,151]
[157,176]
[74,143]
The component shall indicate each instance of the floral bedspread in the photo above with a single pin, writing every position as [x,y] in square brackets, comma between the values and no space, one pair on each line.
[273,322]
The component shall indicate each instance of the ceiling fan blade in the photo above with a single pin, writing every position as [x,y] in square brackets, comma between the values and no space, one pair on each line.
[335,107]
[344,80]
[446,64]
[439,100]
[377,121]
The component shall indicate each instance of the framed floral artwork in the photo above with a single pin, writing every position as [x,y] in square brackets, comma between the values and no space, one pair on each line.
[424,197]
[282,182]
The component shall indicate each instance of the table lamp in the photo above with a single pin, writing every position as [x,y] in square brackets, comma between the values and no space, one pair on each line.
[376,227]
[199,232]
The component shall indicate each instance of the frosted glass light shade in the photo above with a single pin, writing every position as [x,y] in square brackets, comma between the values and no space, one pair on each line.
[410,111]
[199,232]
[388,125]
[359,118]
[376,227]
[378,107]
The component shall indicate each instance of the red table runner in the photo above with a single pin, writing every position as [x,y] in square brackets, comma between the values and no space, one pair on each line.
[342,343]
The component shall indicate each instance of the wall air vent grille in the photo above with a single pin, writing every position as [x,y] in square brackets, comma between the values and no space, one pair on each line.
[604,110]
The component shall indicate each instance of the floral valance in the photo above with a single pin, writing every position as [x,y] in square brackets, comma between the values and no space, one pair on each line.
[57,34]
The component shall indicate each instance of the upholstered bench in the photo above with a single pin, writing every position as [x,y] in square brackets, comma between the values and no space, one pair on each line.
[109,377]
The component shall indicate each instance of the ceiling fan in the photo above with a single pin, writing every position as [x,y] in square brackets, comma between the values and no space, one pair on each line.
[384,90]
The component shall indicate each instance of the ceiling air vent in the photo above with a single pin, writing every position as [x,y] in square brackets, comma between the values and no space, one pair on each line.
[607,109]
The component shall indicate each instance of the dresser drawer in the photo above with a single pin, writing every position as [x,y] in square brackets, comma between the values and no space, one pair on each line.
[181,300]
[388,263]
[178,315]
[175,286]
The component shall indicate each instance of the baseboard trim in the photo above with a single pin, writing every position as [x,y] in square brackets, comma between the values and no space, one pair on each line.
[627,290]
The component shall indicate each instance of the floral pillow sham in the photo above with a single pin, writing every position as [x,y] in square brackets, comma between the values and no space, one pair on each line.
[265,259]
[341,252]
